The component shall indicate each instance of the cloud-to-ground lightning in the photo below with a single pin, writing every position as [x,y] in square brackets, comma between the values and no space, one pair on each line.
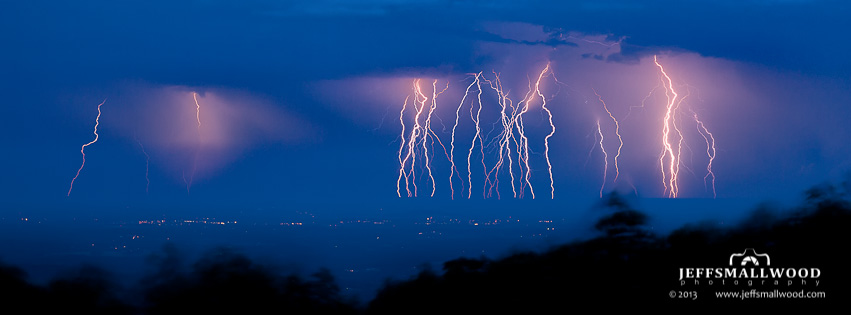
[617,132]
[523,144]
[418,139]
[412,142]
[477,136]
[673,139]
[605,159]
[429,133]
[83,148]
[508,149]
[511,143]
[552,130]
[504,139]
[425,127]
[514,132]
[402,163]
[710,152]
[453,169]
[669,179]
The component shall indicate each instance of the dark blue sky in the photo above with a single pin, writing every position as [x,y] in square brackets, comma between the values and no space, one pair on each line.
[301,99]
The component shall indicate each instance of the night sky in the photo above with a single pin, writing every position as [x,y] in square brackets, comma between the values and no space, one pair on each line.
[300,100]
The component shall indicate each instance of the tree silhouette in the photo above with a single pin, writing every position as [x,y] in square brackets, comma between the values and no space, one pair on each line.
[624,221]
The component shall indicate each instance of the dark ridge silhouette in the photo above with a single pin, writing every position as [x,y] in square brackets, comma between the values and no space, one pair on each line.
[629,268]
[226,282]
[16,290]
[89,290]
[221,282]
[626,267]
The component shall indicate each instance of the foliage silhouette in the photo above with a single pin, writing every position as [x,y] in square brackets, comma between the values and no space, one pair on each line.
[629,268]
[626,268]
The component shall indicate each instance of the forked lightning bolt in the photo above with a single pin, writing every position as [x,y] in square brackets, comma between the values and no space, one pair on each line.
[523,145]
[402,172]
[429,133]
[669,179]
[477,136]
[605,159]
[552,130]
[504,139]
[453,169]
[670,159]
[418,138]
[412,141]
[83,148]
[710,152]
[617,132]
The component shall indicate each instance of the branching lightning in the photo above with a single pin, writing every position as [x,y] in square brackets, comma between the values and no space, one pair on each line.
[511,143]
[83,148]
[503,139]
[617,132]
[429,133]
[643,101]
[669,179]
[419,136]
[710,152]
[402,163]
[605,159]
[522,143]
[477,136]
[454,170]
[670,159]
[552,130]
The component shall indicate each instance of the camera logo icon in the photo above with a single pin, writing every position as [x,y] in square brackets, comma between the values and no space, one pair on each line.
[749,257]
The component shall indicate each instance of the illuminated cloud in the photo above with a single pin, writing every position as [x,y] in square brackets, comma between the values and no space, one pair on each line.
[165,120]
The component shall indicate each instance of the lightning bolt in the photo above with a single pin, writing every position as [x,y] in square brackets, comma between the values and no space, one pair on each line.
[197,112]
[415,132]
[523,145]
[552,130]
[617,132]
[671,133]
[83,148]
[476,136]
[426,126]
[504,138]
[147,165]
[429,133]
[402,162]
[605,159]
[418,138]
[643,101]
[453,169]
[669,180]
[710,144]
[195,160]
